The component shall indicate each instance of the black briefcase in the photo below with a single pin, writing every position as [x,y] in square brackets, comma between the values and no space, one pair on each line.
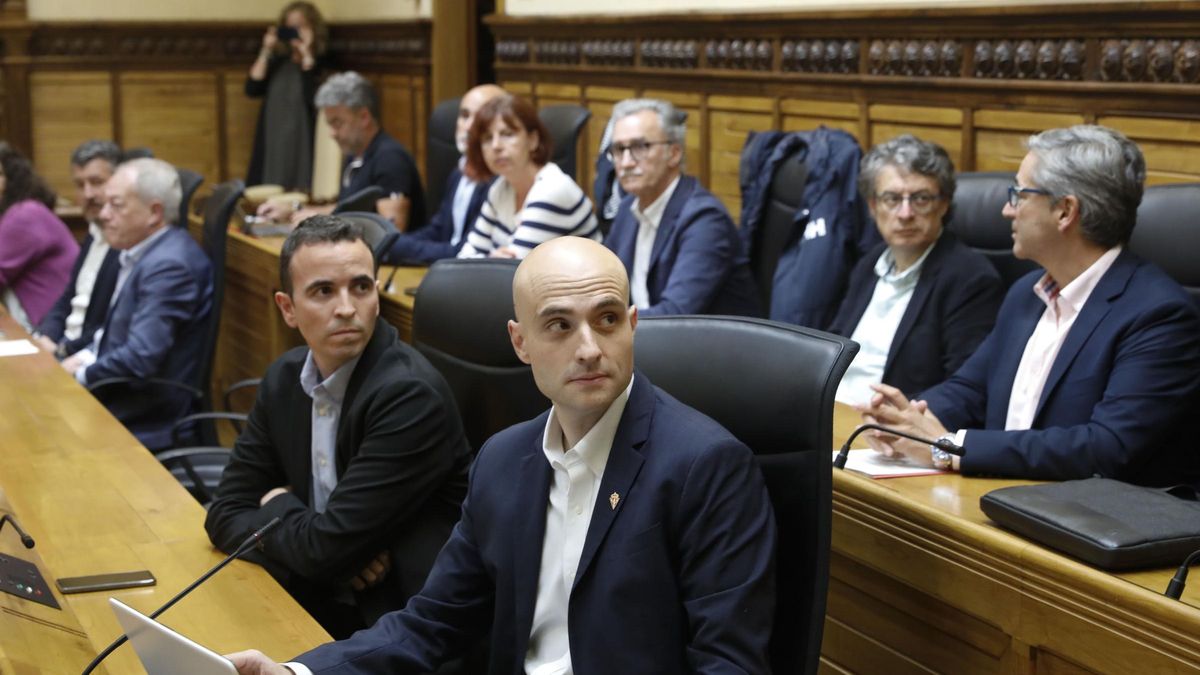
[1107,523]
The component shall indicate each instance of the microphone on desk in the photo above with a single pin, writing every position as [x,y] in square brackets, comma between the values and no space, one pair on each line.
[944,445]
[25,538]
[246,545]
[1175,586]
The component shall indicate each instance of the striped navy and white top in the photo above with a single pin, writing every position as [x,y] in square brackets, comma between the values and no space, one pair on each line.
[554,207]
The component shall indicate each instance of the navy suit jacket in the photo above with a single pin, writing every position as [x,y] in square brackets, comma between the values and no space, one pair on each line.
[156,329]
[432,242]
[676,574]
[54,323]
[1118,394]
[951,311]
[698,264]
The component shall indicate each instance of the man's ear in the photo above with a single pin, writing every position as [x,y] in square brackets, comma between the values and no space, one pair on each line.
[633,317]
[1068,212]
[518,340]
[284,302]
[159,213]
[675,159]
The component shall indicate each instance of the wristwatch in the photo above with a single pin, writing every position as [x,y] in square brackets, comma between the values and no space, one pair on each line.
[942,460]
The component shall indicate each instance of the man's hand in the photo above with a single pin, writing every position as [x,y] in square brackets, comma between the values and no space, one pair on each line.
[45,344]
[273,493]
[71,364]
[889,407]
[373,573]
[278,211]
[254,662]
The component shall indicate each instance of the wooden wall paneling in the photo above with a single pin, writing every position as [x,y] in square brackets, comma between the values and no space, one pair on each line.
[731,118]
[174,113]
[600,101]
[1000,135]
[940,125]
[518,87]
[67,108]
[808,114]
[241,121]
[1171,146]
[403,118]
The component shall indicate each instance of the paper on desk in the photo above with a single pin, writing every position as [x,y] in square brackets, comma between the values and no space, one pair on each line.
[17,347]
[876,465]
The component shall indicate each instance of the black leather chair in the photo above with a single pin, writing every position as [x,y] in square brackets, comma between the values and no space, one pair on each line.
[189,182]
[1168,233]
[565,123]
[977,220]
[441,152]
[459,323]
[363,200]
[378,231]
[784,199]
[772,386]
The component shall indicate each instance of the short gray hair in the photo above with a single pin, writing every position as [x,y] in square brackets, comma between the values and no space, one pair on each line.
[349,89]
[156,181]
[1102,168]
[672,119]
[908,154]
[96,149]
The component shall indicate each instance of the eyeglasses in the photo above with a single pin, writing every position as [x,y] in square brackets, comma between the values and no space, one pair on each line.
[921,203]
[637,148]
[1014,194]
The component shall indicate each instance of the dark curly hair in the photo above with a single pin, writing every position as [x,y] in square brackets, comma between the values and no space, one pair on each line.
[20,182]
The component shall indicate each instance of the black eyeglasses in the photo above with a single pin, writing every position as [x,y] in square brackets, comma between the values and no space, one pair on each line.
[1014,194]
[921,203]
[637,148]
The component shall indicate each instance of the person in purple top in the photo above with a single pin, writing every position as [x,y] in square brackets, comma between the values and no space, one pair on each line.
[36,248]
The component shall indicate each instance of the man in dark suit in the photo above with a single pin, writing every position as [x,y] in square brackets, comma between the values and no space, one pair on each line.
[920,302]
[1094,363]
[446,232]
[676,239]
[370,488]
[80,311]
[620,532]
[163,295]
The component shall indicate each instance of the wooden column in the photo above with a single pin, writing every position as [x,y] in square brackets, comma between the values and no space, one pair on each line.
[452,49]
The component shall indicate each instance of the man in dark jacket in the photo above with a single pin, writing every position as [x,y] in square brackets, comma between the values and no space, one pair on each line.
[354,441]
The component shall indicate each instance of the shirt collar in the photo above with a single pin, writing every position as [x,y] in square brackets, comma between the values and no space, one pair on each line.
[652,215]
[96,231]
[886,265]
[1076,293]
[334,386]
[130,256]
[593,449]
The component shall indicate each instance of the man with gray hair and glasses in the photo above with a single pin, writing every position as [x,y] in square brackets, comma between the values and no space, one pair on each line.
[80,311]
[678,243]
[161,304]
[1094,363]
[372,157]
[920,302]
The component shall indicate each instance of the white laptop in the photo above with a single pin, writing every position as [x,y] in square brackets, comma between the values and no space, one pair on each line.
[165,652]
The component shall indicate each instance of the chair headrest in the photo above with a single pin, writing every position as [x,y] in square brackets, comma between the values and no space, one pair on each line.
[1168,232]
[976,216]
[463,308]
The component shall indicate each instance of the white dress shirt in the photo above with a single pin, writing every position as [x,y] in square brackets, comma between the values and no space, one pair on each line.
[461,204]
[127,260]
[648,221]
[326,398]
[877,327]
[85,282]
[1062,307]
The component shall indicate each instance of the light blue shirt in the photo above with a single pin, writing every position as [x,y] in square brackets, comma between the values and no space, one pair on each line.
[878,325]
[326,398]
[462,202]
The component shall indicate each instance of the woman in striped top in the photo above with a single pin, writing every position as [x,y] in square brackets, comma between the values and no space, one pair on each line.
[532,200]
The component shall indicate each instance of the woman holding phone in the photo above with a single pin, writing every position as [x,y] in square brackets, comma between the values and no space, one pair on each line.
[285,76]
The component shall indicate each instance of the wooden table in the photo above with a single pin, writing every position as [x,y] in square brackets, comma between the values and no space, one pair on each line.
[922,581]
[96,501]
[253,333]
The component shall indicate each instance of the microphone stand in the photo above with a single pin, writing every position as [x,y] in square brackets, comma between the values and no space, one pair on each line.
[25,538]
[1175,587]
[951,447]
[250,542]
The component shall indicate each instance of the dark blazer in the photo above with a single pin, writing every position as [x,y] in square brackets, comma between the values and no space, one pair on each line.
[677,577]
[1118,394]
[432,242]
[402,462]
[951,311]
[54,323]
[156,328]
[698,265]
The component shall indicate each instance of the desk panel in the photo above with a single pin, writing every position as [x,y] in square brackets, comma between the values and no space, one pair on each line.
[921,581]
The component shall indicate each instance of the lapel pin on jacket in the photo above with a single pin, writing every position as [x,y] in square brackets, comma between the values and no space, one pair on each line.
[613,499]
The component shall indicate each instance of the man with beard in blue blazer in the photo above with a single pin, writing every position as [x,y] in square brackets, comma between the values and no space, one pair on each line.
[619,532]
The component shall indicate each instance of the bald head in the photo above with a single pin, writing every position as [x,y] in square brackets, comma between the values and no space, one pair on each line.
[567,265]
[471,102]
